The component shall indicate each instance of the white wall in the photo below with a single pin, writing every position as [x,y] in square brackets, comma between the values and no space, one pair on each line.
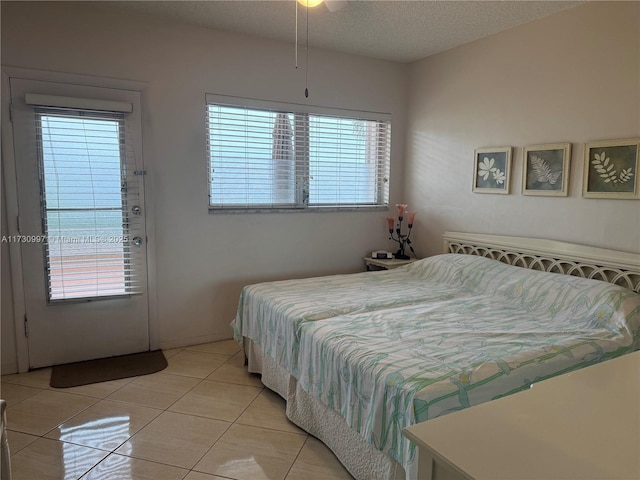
[571,77]
[203,260]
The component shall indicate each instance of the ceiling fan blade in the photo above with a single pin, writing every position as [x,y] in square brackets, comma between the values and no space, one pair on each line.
[335,5]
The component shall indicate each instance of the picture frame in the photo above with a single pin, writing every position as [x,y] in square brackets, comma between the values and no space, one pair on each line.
[492,170]
[611,169]
[545,169]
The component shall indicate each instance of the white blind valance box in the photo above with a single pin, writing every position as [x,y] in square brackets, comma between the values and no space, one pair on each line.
[77,103]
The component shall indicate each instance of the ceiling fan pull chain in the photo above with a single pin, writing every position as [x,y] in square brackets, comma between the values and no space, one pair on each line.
[306,77]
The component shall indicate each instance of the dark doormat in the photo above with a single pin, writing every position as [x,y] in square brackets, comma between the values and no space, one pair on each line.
[105,369]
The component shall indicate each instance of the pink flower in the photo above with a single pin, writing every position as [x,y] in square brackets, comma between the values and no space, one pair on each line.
[410,217]
[391,222]
[401,208]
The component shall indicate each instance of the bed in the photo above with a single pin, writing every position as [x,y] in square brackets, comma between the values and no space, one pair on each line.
[360,357]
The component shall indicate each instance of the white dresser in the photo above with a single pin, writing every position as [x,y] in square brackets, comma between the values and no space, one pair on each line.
[580,426]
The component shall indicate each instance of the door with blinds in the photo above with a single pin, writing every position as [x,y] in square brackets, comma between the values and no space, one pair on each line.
[82,234]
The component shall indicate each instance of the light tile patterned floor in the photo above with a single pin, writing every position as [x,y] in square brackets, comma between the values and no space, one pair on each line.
[202,418]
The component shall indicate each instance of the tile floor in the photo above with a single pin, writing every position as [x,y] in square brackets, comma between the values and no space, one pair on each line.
[202,418]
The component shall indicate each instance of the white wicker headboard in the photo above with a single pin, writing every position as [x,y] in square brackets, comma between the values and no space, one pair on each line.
[620,268]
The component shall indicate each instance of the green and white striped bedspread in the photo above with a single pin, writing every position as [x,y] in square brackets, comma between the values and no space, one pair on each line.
[271,313]
[454,331]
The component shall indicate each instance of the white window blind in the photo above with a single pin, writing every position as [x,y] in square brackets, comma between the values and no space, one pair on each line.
[267,156]
[86,164]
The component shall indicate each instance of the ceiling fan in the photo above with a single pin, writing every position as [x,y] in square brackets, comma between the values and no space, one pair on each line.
[332,5]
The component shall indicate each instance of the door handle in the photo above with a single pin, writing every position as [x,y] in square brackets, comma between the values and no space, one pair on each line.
[137,241]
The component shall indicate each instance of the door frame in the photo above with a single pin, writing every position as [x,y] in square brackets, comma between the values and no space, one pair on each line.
[11,195]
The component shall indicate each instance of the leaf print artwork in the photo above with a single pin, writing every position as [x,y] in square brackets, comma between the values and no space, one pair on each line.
[605,167]
[543,171]
[546,169]
[485,167]
[611,169]
[491,170]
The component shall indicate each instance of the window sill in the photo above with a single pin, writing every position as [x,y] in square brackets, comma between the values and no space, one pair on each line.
[367,208]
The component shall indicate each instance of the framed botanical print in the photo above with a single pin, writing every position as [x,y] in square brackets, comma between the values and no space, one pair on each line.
[492,170]
[611,169]
[546,169]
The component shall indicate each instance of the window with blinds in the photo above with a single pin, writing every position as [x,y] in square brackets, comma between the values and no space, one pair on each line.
[84,198]
[267,157]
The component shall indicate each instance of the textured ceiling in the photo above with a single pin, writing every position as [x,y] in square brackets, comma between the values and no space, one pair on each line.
[401,31]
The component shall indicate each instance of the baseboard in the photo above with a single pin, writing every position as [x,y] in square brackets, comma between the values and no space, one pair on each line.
[190,341]
[9,368]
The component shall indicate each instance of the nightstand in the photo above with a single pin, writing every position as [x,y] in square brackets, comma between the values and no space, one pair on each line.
[385,263]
